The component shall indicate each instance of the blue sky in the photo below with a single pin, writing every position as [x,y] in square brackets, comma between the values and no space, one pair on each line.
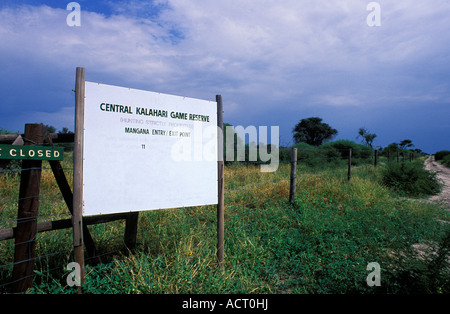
[274,62]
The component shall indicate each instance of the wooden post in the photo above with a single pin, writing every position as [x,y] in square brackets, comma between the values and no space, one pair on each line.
[77,218]
[26,231]
[221,184]
[293,175]
[64,187]
[349,174]
[131,230]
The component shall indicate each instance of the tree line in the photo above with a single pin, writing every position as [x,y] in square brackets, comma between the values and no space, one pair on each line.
[313,139]
[314,132]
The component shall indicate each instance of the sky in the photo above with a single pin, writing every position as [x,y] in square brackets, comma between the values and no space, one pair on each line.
[274,62]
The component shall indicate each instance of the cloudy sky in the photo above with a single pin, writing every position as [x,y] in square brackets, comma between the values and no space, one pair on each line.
[274,62]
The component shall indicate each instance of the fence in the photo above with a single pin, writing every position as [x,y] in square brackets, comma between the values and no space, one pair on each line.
[27,227]
[18,275]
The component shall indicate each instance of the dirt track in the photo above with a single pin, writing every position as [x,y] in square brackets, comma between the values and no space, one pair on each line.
[444,177]
[443,173]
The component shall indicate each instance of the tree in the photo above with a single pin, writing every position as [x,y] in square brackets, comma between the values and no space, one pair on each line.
[405,143]
[313,131]
[65,131]
[367,137]
[392,147]
[50,129]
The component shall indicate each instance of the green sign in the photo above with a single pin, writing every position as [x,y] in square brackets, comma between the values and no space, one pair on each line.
[31,152]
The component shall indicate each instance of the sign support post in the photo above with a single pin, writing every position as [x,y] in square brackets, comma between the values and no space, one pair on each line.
[77,218]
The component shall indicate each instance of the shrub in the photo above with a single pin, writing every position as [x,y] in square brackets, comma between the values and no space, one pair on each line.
[308,154]
[446,161]
[441,154]
[410,179]
[358,150]
[332,153]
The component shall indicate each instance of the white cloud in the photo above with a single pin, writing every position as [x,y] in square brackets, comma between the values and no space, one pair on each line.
[256,53]
[239,40]
[340,100]
[112,45]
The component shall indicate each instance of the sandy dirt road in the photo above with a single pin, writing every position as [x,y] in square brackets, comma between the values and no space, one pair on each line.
[423,249]
[444,176]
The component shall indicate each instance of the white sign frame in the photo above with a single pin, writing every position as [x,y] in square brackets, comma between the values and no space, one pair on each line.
[145,150]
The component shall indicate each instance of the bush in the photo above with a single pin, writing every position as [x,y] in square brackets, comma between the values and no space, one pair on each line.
[308,154]
[305,151]
[332,153]
[411,179]
[441,154]
[446,161]
[358,150]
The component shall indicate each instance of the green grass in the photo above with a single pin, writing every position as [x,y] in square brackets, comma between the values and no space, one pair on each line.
[411,179]
[443,157]
[320,244]
[446,161]
[441,154]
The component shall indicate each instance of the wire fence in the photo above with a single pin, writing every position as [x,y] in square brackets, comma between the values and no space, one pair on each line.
[55,247]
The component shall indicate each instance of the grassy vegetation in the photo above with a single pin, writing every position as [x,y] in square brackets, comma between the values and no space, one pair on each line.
[443,157]
[441,154]
[410,179]
[320,244]
[331,154]
[446,161]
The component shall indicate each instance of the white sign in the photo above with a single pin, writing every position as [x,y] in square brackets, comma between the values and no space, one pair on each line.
[145,150]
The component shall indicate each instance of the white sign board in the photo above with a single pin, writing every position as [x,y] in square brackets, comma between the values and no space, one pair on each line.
[145,150]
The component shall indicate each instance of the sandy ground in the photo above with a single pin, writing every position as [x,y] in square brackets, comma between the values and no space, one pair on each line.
[444,177]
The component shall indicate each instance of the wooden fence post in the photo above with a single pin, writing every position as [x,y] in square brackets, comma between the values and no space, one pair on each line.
[26,232]
[221,185]
[77,218]
[349,173]
[293,175]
